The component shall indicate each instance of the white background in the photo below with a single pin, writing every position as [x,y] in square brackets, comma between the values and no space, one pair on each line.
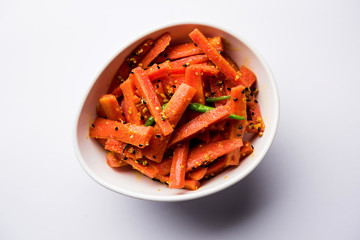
[308,185]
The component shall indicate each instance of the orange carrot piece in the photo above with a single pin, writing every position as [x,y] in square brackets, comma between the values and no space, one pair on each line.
[248,76]
[256,124]
[178,79]
[138,152]
[199,123]
[179,66]
[127,133]
[111,107]
[131,100]
[253,108]
[174,111]
[255,127]
[130,62]
[161,178]
[143,167]
[147,91]
[159,90]
[216,167]
[187,49]
[178,166]
[231,61]
[117,91]
[209,50]
[115,146]
[159,46]
[217,89]
[169,85]
[113,161]
[204,154]
[194,78]
[246,150]
[197,174]
[238,107]
[156,71]
[119,147]
[236,130]
[191,184]
[179,102]
[125,108]
[164,167]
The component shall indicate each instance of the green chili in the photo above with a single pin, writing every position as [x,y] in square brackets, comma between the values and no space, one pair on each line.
[215,99]
[202,108]
[195,107]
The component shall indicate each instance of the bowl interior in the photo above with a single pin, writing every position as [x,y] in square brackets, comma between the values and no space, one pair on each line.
[125,181]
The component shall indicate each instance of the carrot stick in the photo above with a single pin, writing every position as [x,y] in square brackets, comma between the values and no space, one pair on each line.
[197,174]
[159,46]
[248,76]
[111,107]
[179,66]
[209,50]
[113,161]
[127,133]
[169,85]
[131,100]
[189,184]
[179,102]
[116,146]
[215,168]
[187,49]
[117,91]
[159,90]
[141,166]
[231,61]
[174,111]
[256,124]
[193,77]
[125,108]
[217,89]
[164,167]
[237,127]
[253,108]
[246,149]
[178,166]
[123,148]
[199,123]
[156,71]
[178,79]
[147,91]
[255,127]
[204,154]
[130,62]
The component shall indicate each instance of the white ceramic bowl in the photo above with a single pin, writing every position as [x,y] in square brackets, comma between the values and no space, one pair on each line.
[92,156]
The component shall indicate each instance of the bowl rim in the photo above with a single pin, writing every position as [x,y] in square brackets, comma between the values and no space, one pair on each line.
[194,194]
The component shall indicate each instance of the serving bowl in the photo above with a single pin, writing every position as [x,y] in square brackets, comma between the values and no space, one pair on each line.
[91,154]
